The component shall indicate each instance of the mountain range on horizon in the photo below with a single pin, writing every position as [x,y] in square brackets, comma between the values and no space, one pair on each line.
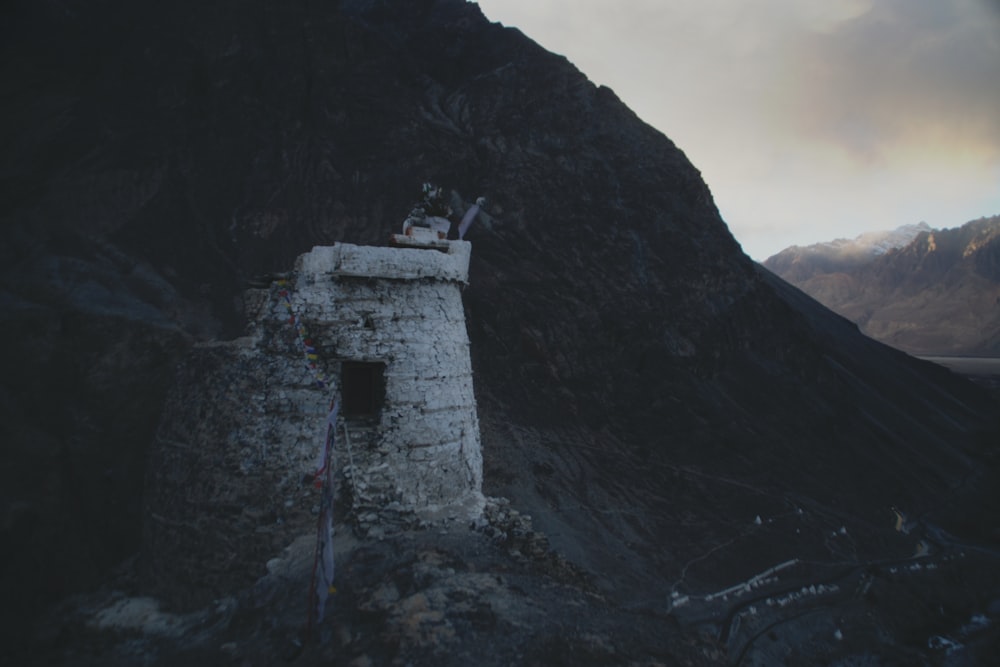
[930,292]
[689,460]
[862,247]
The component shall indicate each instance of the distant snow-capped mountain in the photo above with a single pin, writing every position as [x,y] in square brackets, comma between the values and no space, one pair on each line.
[879,243]
[797,264]
[923,290]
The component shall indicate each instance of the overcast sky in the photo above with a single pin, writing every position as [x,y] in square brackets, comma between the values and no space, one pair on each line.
[809,119]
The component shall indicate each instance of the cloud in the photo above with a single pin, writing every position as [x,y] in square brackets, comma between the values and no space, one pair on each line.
[907,79]
[808,119]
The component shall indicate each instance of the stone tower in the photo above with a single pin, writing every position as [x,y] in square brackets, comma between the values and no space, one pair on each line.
[382,329]
[393,329]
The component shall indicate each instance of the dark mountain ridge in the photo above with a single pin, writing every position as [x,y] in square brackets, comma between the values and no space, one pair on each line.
[645,392]
[939,294]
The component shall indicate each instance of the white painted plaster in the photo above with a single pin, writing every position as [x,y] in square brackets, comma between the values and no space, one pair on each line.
[403,307]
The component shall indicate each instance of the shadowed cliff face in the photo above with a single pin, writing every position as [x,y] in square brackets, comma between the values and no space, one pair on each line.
[645,392]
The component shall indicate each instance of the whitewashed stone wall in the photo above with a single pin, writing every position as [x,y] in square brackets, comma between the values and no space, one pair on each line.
[403,307]
[228,479]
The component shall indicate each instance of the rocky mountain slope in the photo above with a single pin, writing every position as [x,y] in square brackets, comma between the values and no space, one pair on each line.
[938,294]
[704,450]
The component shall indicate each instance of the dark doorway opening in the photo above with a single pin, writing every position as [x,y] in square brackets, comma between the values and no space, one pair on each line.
[362,386]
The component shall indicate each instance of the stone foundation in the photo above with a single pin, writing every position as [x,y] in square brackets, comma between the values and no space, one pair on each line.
[229,477]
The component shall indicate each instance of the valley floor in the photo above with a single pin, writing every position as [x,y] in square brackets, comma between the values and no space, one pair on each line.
[984,371]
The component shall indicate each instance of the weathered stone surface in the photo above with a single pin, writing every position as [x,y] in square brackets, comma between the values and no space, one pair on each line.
[378,262]
[246,421]
[225,489]
[403,307]
[644,393]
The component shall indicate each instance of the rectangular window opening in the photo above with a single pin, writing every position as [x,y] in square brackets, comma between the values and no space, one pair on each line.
[362,387]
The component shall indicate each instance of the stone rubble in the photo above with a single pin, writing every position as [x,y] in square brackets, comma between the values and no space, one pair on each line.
[231,471]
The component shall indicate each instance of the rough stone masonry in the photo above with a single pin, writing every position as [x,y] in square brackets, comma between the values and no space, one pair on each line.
[245,422]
